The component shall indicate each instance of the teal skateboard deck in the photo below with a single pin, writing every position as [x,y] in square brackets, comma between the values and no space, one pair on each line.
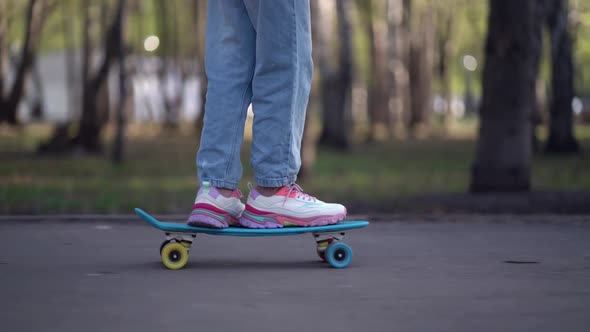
[179,237]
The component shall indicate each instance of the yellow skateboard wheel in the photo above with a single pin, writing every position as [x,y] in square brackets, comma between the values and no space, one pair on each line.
[174,256]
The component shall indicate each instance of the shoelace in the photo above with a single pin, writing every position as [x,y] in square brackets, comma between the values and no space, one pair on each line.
[299,194]
[294,187]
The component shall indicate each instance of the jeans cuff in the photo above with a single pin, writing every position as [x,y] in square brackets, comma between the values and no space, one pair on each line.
[221,183]
[275,182]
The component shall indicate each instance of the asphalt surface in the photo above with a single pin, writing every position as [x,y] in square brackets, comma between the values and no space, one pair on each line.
[445,275]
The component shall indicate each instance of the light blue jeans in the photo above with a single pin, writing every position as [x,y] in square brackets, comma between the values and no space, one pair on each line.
[258,52]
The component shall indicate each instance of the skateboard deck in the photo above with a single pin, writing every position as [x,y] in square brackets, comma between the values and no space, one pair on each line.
[239,231]
[179,237]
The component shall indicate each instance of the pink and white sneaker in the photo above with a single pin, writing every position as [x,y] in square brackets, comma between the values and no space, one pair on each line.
[212,209]
[290,206]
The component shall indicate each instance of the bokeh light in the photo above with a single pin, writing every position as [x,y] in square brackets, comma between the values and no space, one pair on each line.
[151,43]
[577,105]
[470,62]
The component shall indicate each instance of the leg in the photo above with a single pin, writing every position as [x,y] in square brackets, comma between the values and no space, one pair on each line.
[281,85]
[229,64]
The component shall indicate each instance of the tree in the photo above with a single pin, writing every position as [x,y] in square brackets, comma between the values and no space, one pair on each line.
[561,136]
[67,26]
[444,44]
[336,81]
[421,70]
[398,19]
[378,82]
[118,145]
[90,126]
[92,119]
[169,53]
[513,48]
[36,14]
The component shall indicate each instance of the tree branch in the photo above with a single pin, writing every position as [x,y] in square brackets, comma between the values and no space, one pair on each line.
[112,43]
[2,47]
[35,17]
[26,57]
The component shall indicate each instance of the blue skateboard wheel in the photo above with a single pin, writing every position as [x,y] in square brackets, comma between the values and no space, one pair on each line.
[339,255]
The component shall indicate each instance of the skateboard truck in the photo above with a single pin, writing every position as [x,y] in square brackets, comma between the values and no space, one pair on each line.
[324,240]
[185,239]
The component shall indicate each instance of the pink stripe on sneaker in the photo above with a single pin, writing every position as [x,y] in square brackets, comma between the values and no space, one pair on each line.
[209,207]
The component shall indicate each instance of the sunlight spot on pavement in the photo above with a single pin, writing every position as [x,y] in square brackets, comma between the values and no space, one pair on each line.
[104,227]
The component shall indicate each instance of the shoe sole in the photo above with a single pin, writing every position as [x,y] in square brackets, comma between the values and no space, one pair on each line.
[273,220]
[210,216]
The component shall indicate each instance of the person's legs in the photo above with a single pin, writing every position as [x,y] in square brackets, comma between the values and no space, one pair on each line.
[281,85]
[229,64]
[230,56]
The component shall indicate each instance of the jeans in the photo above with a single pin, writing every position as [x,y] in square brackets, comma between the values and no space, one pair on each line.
[256,52]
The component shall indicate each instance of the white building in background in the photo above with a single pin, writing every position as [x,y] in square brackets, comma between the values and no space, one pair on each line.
[146,88]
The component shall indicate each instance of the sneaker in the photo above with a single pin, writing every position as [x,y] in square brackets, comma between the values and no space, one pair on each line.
[212,209]
[290,206]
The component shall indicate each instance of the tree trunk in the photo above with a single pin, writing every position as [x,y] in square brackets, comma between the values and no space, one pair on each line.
[118,145]
[91,124]
[163,27]
[513,48]
[378,86]
[561,136]
[421,66]
[89,131]
[70,59]
[336,85]
[538,111]
[398,34]
[3,48]
[59,139]
[36,13]
[445,52]
[174,30]
[37,104]
[167,53]
[86,45]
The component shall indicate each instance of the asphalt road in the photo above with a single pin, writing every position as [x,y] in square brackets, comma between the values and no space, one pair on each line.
[406,276]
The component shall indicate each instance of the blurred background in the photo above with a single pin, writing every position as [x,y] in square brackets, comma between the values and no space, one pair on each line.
[417,105]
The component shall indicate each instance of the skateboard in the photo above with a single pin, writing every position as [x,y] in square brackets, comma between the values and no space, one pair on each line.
[180,236]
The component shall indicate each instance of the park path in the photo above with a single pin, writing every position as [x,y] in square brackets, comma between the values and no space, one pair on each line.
[447,274]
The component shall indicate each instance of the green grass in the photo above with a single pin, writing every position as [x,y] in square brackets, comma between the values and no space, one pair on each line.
[160,175]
